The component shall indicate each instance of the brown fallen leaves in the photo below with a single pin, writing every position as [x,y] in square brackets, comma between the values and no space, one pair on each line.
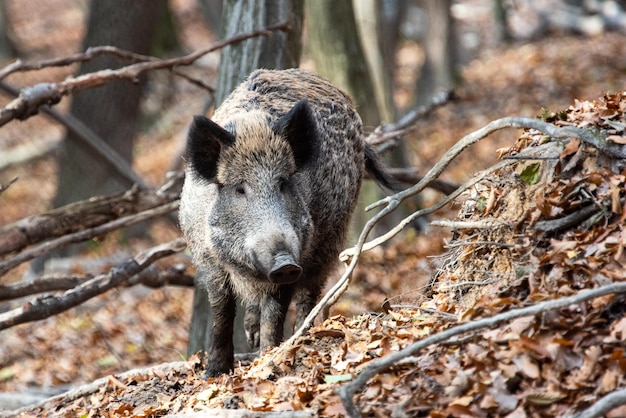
[541,228]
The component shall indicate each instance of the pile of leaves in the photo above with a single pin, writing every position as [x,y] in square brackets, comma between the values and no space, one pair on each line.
[540,228]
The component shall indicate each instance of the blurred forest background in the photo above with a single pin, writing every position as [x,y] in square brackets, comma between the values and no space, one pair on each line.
[501,57]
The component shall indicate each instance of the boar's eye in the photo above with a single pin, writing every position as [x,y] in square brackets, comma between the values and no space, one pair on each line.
[240,190]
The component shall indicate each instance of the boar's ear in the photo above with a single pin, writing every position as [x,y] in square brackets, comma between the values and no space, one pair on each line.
[299,128]
[206,139]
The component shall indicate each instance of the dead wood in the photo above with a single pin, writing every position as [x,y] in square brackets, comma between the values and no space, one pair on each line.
[32,98]
[152,276]
[85,214]
[44,307]
[348,391]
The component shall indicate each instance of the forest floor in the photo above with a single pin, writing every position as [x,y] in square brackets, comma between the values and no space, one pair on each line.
[136,327]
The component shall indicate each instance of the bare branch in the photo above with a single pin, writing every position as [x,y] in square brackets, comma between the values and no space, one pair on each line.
[41,308]
[84,235]
[484,224]
[347,392]
[93,142]
[85,214]
[407,123]
[32,98]
[604,405]
[92,52]
[152,277]
[410,176]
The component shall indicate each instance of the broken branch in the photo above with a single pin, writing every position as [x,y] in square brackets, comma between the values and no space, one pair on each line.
[84,235]
[44,307]
[347,392]
[32,98]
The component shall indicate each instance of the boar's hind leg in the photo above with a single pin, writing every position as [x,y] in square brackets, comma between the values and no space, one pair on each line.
[273,312]
[223,307]
[251,324]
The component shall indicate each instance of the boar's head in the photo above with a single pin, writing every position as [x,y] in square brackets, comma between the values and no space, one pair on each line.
[258,223]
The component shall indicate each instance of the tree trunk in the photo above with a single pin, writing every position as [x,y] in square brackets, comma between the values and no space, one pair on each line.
[439,69]
[279,51]
[336,49]
[111,111]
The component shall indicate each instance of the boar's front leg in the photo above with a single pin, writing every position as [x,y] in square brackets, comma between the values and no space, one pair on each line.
[251,323]
[223,307]
[305,299]
[273,312]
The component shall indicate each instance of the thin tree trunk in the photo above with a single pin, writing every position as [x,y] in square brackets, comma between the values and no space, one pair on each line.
[439,69]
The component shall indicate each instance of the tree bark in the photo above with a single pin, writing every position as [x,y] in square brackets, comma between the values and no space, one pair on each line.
[439,69]
[111,111]
[279,51]
[338,55]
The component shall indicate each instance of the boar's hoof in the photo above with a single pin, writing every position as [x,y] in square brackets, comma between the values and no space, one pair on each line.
[285,270]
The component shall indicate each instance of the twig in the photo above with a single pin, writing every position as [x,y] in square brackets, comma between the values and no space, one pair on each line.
[486,224]
[84,235]
[351,252]
[407,123]
[347,392]
[4,187]
[604,405]
[573,218]
[467,243]
[410,176]
[32,98]
[42,308]
[89,54]
[447,315]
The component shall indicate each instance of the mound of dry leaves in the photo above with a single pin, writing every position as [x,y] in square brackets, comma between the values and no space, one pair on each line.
[545,226]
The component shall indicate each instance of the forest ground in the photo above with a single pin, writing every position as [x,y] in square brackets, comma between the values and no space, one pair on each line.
[128,328]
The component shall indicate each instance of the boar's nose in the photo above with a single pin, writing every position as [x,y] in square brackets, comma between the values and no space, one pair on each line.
[285,270]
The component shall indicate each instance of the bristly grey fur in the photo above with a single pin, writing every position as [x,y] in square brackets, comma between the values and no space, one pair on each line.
[274,176]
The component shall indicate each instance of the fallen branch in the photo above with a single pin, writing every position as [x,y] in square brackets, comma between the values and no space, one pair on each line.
[573,218]
[484,224]
[84,235]
[152,276]
[347,392]
[44,307]
[32,98]
[85,214]
[604,405]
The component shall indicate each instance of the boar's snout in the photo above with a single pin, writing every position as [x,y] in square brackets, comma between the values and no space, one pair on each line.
[285,270]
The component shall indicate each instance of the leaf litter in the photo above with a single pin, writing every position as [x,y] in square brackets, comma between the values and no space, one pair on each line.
[560,362]
[549,365]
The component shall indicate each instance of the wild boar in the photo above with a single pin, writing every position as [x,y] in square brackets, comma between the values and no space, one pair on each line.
[271,183]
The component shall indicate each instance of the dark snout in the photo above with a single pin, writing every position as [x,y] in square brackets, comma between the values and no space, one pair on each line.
[285,270]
